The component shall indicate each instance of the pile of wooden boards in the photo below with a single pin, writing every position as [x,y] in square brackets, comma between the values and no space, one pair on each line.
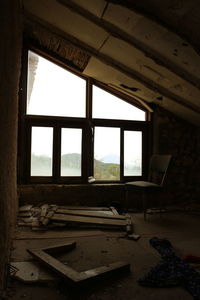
[50,216]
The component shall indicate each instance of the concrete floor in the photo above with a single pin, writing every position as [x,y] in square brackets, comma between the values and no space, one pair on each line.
[96,248]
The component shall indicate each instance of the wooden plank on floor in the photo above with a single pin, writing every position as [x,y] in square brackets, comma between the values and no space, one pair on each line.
[90,214]
[54,264]
[89,220]
[85,208]
[109,268]
[60,248]
[70,274]
[25,208]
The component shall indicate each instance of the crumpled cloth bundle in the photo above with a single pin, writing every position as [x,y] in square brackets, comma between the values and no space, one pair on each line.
[171,271]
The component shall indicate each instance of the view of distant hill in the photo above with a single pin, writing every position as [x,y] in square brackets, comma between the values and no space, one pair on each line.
[106,171]
[72,160]
[107,168]
[71,166]
[111,158]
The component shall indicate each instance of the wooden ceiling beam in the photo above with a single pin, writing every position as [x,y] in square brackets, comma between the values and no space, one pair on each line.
[148,83]
[134,42]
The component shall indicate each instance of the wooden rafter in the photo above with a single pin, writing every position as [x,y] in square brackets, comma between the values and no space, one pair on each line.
[148,83]
[131,40]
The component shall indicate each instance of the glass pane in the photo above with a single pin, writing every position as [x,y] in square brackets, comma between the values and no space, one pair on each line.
[71,145]
[107,153]
[41,151]
[132,153]
[107,106]
[53,91]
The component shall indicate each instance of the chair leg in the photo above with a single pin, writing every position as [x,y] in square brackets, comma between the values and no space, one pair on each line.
[126,198]
[144,205]
[145,214]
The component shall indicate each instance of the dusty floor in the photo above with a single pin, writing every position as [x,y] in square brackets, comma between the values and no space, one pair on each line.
[96,248]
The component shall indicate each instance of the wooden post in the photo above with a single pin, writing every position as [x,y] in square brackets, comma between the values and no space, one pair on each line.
[10,57]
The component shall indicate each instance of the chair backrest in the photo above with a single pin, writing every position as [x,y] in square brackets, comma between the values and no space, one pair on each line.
[158,167]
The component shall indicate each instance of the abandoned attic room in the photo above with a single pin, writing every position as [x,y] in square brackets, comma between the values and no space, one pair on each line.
[100,149]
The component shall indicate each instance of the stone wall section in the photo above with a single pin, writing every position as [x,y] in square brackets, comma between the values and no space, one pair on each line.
[182,140]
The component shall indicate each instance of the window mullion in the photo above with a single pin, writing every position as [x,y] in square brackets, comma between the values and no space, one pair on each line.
[56,152]
[87,164]
[121,154]
[89,99]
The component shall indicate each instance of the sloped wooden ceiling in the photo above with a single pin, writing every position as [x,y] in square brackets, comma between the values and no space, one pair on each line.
[141,51]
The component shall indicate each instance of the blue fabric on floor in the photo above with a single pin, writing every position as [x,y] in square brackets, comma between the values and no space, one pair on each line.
[171,271]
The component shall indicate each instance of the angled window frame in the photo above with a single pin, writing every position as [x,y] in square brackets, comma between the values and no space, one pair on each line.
[87,124]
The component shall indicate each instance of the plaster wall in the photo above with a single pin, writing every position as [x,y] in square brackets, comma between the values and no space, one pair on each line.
[10,54]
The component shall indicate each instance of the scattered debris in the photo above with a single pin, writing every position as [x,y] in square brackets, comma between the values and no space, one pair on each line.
[156,210]
[91,179]
[25,208]
[132,236]
[52,216]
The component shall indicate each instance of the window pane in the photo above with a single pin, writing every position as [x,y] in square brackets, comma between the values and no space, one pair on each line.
[41,151]
[71,145]
[107,153]
[132,153]
[53,91]
[107,106]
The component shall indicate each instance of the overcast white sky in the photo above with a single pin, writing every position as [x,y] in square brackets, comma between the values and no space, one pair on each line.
[60,93]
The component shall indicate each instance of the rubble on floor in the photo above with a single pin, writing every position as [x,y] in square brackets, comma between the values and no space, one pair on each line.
[48,216]
[42,218]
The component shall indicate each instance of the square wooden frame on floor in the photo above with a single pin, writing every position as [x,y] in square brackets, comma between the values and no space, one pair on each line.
[68,273]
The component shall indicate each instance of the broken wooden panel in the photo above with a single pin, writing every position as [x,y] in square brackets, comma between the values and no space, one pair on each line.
[89,220]
[93,208]
[90,214]
[67,272]
[51,216]
[25,208]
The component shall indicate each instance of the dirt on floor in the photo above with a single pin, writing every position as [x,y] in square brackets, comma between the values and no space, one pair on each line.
[96,248]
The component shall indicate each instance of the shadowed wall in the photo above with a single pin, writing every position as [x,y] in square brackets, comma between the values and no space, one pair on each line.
[10,56]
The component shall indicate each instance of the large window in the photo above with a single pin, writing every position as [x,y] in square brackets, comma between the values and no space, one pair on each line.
[75,128]
[71,145]
[41,151]
[52,90]
[107,153]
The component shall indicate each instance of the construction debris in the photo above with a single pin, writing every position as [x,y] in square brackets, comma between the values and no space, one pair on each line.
[69,274]
[52,216]
[131,236]
[30,272]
